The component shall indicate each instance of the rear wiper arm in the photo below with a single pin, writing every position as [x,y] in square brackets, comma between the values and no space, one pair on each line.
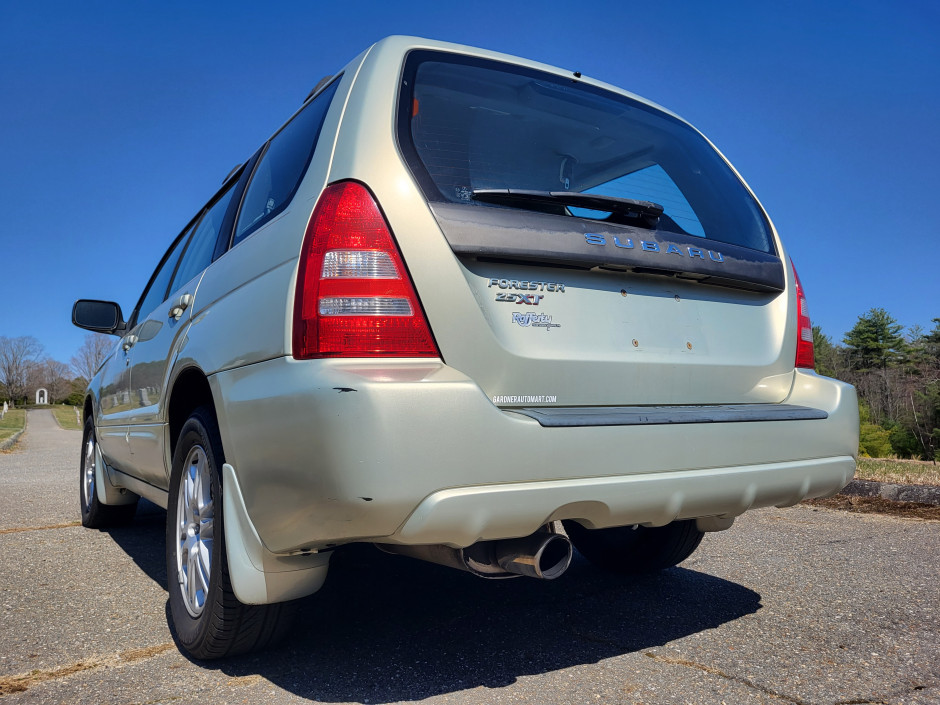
[626,207]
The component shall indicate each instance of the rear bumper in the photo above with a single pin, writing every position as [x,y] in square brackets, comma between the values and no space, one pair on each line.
[331,451]
[463,515]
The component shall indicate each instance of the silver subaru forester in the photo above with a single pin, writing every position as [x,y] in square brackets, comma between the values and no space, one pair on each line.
[471,309]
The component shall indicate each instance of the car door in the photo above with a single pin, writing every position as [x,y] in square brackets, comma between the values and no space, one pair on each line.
[114,407]
[160,336]
[119,404]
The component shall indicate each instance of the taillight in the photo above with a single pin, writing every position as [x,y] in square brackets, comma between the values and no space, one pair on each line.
[354,297]
[804,341]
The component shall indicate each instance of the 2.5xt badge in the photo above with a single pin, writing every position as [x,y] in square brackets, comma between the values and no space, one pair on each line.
[516,291]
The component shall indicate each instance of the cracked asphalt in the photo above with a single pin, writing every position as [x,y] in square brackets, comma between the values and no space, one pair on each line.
[804,605]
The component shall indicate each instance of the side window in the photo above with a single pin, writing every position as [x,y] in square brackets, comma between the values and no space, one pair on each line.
[198,254]
[281,167]
[157,291]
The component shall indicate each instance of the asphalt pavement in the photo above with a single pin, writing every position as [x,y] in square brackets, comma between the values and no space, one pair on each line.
[802,605]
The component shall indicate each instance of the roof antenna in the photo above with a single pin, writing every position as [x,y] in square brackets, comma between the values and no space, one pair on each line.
[316,89]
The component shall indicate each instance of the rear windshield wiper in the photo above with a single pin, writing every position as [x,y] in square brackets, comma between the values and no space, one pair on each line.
[623,207]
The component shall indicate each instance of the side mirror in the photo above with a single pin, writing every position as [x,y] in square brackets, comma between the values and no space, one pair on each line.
[98,316]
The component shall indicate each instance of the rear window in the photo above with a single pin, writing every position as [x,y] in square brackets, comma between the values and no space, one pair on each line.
[467,124]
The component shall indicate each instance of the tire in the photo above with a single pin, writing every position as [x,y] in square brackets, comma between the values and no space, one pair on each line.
[632,550]
[96,515]
[209,620]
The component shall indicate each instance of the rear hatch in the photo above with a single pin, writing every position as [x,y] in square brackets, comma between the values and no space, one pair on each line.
[615,257]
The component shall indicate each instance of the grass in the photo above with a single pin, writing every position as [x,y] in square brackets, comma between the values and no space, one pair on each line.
[901,472]
[13,421]
[877,505]
[65,415]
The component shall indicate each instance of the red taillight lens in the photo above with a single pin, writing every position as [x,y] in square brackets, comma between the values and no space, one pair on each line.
[804,328]
[354,297]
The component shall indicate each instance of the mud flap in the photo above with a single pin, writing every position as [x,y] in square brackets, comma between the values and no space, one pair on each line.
[258,576]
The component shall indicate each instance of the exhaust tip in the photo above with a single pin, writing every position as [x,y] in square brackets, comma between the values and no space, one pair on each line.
[541,555]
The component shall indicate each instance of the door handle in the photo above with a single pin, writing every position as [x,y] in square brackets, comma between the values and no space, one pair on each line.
[182,303]
[129,342]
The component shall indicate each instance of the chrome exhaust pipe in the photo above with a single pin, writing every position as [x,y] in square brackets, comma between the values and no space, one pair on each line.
[541,555]
[544,555]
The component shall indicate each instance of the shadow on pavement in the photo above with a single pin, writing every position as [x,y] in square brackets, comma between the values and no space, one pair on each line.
[387,628]
[143,540]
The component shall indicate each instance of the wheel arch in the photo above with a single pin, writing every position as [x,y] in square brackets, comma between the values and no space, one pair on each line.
[190,391]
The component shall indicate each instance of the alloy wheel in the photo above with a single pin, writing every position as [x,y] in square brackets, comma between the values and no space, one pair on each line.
[195,519]
[88,471]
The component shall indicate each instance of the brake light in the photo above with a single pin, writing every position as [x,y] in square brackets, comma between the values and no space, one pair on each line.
[805,356]
[354,297]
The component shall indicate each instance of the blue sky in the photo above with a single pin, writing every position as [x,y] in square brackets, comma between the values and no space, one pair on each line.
[120,119]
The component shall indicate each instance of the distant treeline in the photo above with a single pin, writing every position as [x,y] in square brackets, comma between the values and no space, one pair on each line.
[897,375]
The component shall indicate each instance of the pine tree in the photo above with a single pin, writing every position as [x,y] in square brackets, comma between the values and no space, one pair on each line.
[932,341]
[875,342]
[830,359]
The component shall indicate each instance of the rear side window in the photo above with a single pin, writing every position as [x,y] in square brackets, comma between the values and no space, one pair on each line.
[282,165]
[198,254]
[468,124]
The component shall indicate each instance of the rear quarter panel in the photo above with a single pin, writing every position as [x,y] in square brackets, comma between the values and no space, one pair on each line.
[243,308]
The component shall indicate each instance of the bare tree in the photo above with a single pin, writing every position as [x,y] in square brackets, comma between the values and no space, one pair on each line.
[35,378]
[89,357]
[56,379]
[17,356]
[51,375]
